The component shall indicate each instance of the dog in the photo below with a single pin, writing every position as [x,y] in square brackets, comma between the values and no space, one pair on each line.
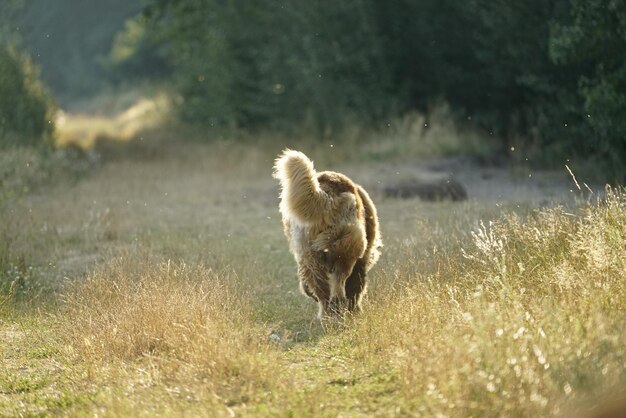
[333,232]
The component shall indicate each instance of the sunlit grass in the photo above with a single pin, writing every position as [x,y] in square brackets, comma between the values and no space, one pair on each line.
[187,328]
[530,320]
[164,287]
[85,129]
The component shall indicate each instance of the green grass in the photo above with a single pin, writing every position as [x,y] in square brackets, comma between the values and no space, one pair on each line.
[163,286]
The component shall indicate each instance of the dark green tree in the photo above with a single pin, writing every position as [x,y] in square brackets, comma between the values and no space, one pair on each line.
[593,39]
[547,76]
[26,110]
[263,64]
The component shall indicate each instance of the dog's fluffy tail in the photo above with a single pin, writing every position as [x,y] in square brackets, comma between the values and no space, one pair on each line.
[301,196]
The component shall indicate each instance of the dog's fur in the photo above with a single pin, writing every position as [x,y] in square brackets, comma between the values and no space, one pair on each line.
[332,228]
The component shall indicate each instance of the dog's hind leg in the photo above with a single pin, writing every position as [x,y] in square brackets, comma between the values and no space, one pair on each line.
[315,284]
[337,281]
[337,301]
[356,286]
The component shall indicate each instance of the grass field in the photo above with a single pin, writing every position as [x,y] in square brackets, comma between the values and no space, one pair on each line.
[160,284]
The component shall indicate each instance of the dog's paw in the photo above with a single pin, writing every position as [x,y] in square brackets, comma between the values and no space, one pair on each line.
[337,307]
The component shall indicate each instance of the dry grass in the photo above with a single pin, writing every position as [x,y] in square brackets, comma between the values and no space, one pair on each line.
[85,129]
[183,325]
[408,138]
[174,294]
[532,319]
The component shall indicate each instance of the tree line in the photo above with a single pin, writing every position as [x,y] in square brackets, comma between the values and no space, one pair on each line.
[549,75]
[546,75]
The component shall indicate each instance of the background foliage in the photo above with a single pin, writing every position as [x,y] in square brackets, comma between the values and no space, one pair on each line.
[544,76]
[25,106]
[593,40]
[71,40]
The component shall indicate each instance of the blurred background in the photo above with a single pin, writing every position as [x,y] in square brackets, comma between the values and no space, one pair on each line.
[541,80]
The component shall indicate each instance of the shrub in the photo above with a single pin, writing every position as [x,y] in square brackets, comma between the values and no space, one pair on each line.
[25,106]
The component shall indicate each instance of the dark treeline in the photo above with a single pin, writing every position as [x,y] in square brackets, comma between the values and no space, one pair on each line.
[547,76]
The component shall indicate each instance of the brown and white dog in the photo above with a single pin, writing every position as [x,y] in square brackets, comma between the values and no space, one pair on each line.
[332,228]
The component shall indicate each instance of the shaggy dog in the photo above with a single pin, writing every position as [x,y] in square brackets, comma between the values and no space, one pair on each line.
[332,229]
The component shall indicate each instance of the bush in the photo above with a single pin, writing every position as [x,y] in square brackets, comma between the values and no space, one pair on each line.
[25,107]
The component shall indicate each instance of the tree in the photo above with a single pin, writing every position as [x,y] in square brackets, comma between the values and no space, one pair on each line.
[262,64]
[593,38]
[25,107]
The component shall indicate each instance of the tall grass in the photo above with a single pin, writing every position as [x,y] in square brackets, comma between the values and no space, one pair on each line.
[182,324]
[530,321]
[526,320]
[183,300]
